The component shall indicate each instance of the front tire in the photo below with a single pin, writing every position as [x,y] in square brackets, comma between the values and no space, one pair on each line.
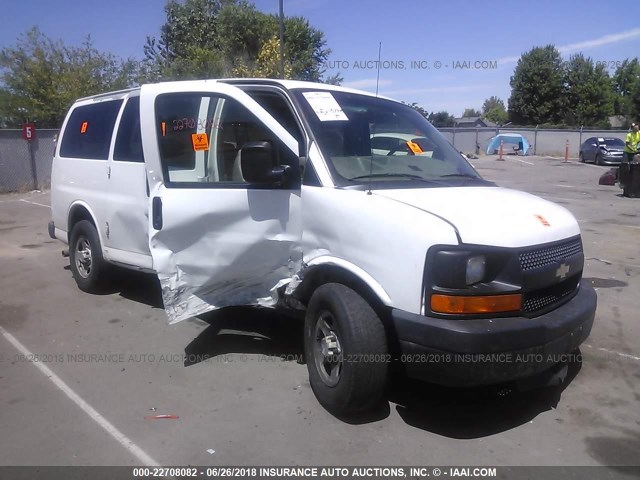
[598,160]
[88,267]
[346,349]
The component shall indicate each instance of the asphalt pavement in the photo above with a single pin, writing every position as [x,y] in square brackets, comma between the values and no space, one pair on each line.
[82,376]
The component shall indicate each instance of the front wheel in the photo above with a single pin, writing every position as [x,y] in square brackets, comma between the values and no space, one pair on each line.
[346,349]
[88,267]
[598,160]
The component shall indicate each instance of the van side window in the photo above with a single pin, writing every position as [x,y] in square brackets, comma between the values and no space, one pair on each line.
[89,130]
[201,136]
[129,139]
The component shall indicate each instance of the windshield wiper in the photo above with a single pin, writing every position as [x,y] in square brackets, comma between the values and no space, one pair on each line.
[460,175]
[387,175]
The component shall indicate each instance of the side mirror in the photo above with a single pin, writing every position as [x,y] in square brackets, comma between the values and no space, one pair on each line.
[257,165]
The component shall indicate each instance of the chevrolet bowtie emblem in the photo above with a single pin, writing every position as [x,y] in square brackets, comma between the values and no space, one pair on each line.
[562,271]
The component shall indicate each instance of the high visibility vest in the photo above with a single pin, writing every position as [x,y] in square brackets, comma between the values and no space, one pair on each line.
[633,138]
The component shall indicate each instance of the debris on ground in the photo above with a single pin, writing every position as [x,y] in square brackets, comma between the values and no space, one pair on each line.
[161,417]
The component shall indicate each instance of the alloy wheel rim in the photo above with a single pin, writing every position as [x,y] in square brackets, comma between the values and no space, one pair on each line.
[327,351]
[83,257]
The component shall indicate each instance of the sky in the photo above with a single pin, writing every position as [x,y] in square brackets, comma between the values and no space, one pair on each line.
[443,55]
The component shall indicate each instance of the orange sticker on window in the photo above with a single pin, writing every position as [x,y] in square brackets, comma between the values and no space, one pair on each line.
[83,127]
[415,148]
[200,141]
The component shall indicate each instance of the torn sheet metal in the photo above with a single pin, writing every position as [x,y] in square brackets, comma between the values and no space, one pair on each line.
[237,250]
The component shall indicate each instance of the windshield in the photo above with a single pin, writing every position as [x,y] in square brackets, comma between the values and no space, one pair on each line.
[366,139]
[613,142]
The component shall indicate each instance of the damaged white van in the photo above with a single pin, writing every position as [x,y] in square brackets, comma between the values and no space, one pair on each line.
[347,206]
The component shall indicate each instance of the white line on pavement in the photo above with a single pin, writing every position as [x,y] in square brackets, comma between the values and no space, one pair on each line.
[524,161]
[34,203]
[620,354]
[88,409]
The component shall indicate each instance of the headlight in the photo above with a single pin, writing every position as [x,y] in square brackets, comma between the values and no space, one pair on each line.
[476,267]
[472,280]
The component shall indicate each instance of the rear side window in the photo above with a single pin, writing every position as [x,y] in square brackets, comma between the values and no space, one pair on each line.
[129,139]
[89,130]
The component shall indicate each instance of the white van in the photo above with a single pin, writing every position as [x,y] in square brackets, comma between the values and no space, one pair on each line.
[344,205]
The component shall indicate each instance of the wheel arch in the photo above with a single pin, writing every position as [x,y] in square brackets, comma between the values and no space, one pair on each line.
[78,211]
[326,269]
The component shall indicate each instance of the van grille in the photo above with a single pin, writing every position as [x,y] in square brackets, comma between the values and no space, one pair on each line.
[540,299]
[542,257]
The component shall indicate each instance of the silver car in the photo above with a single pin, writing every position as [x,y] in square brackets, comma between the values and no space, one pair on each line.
[602,151]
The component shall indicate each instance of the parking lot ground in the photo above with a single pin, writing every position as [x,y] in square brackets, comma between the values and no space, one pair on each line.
[233,380]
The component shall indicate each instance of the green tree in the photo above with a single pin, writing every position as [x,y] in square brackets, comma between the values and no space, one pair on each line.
[491,103]
[626,86]
[266,65]
[213,38]
[497,115]
[493,109]
[421,110]
[537,88]
[305,49]
[41,78]
[471,112]
[188,46]
[589,93]
[335,79]
[442,119]
[243,30]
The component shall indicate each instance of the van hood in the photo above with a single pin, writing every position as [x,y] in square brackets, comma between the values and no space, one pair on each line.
[492,215]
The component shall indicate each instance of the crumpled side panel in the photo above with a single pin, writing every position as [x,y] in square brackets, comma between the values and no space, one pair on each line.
[232,248]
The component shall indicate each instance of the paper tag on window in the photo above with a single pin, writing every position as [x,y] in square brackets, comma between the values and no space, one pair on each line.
[415,148]
[200,141]
[325,106]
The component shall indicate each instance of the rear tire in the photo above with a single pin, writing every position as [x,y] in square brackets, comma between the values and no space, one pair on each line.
[88,267]
[581,156]
[346,350]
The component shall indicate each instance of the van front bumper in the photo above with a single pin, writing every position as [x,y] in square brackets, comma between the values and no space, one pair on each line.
[496,350]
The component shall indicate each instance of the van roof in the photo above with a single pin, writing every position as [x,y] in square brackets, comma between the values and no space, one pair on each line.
[287,84]
[115,93]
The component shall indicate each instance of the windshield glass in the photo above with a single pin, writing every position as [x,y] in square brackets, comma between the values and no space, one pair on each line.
[366,139]
[613,142]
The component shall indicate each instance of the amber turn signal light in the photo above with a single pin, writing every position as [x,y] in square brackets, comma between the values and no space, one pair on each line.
[476,304]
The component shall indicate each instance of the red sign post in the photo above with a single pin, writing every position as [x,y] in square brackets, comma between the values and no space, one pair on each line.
[29,134]
[28,131]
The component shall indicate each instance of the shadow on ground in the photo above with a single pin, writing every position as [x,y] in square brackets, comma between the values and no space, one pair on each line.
[468,413]
[247,330]
[463,413]
[455,413]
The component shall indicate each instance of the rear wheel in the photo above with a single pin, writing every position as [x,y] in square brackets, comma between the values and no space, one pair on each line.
[88,267]
[581,156]
[346,349]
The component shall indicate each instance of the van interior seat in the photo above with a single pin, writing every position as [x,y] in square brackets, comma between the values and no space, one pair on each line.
[227,160]
[236,175]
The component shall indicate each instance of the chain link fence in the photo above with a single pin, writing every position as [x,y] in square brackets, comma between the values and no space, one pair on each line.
[26,165]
